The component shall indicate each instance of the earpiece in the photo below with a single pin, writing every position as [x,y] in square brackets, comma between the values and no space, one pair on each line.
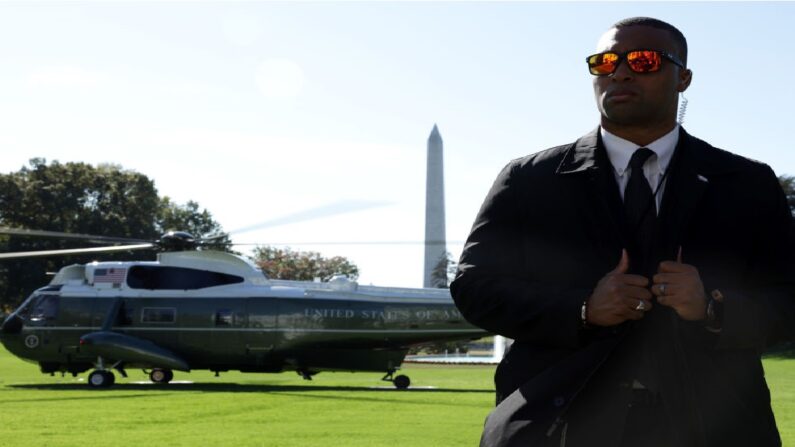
[682,108]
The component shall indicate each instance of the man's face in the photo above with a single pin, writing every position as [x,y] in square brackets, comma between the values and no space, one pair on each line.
[629,99]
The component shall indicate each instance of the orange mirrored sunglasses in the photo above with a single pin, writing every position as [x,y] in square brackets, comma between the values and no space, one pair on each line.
[639,61]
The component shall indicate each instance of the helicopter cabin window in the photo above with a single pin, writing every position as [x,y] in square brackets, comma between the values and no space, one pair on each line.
[224,317]
[158,315]
[176,278]
[43,307]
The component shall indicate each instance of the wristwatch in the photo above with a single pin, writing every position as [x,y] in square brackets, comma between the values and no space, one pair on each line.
[584,315]
[714,320]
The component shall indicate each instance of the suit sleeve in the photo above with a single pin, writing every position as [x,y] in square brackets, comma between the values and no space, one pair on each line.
[494,289]
[761,312]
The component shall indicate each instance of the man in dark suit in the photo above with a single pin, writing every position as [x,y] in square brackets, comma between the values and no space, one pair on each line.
[640,271]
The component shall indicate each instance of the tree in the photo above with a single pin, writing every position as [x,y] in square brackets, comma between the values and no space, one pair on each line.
[105,200]
[788,185]
[444,271]
[284,263]
[79,198]
[188,217]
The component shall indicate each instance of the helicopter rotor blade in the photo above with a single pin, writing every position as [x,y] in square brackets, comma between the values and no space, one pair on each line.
[73,251]
[61,235]
[209,239]
[333,209]
[384,242]
[320,212]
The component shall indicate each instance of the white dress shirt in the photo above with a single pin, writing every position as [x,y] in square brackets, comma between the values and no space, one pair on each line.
[619,151]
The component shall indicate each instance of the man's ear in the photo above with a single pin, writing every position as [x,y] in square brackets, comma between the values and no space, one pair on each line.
[685,77]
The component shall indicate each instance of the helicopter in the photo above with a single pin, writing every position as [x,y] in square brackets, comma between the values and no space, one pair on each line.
[211,310]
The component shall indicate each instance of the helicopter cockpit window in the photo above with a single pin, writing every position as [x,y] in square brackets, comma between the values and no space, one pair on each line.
[43,308]
[176,278]
[158,315]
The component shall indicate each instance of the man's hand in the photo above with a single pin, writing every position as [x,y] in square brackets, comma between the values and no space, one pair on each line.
[618,295]
[678,286]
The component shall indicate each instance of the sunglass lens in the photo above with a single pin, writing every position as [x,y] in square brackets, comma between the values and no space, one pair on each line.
[644,61]
[603,64]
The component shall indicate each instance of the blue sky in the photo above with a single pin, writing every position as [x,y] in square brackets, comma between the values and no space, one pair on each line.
[260,110]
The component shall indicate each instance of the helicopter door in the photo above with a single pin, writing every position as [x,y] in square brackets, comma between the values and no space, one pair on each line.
[229,322]
[260,336]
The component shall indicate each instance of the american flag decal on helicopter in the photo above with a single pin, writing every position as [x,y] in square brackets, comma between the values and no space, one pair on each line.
[112,275]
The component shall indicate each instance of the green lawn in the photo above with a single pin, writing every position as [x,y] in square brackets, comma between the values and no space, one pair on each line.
[335,409]
[780,374]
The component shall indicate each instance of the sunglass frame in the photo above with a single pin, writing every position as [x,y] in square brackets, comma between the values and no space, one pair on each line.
[623,57]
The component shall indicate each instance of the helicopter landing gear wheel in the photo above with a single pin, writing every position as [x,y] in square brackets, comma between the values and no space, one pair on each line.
[305,373]
[101,379]
[161,375]
[401,382]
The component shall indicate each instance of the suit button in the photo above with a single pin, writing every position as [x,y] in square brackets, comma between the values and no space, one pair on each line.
[559,401]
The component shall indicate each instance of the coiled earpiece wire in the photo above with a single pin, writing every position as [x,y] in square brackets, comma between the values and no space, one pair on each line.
[682,108]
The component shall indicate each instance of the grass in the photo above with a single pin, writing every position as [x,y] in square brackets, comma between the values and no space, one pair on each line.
[335,409]
[780,375]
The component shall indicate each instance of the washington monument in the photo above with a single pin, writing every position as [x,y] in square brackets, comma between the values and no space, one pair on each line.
[435,246]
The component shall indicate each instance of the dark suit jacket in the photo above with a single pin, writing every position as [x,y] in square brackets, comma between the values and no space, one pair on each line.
[551,228]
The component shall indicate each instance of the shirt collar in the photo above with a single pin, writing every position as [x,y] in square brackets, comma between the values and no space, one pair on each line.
[619,150]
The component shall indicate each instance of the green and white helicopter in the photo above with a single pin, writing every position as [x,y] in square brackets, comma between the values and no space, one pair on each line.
[209,310]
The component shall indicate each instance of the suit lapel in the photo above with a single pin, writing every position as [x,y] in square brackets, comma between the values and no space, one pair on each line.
[683,193]
[595,194]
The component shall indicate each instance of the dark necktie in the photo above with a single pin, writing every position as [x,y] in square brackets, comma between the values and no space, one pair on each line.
[641,212]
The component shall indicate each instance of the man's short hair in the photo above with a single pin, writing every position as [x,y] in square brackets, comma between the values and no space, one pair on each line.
[679,38]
